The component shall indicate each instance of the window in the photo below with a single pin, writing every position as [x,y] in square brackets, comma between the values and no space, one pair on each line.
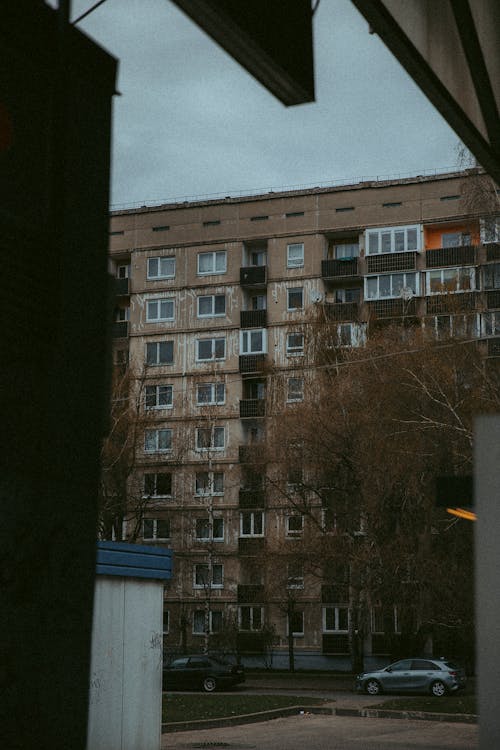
[490,324]
[253,341]
[211,263]
[391,204]
[155,528]
[252,523]
[454,239]
[210,394]
[492,276]
[391,285]
[161,268]
[289,214]
[444,326]
[158,485]
[210,349]
[123,272]
[295,575]
[295,298]
[295,255]
[294,525]
[207,530]
[160,353]
[444,280]
[262,217]
[490,229]
[158,441]
[348,295]
[210,438]
[250,618]
[295,389]
[258,302]
[211,223]
[159,309]
[295,344]
[335,619]
[384,621]
[211,305]
[296,623]
[206,621]
[122,314]
[209,483]
[206,575]
[158,396]
[393,240]
[346,250]
[342,209]
[257,257]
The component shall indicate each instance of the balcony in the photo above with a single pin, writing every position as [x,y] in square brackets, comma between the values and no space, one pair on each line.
[120,330]
[252,497]
[339,269]
[250,593]
[393,308]
[451,303]
[493,251]
[494,347]
[252,454]
[341,311]
[122,287]
[335,644]
[253,318]
[251,546]
[250,364]
[493,299]
[463,255]
[391,262]
[253,276]
[252,407]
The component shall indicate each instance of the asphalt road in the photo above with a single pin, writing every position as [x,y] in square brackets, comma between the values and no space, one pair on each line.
[330,733]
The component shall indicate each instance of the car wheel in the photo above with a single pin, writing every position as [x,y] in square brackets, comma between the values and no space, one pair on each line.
[438,689]
[209,684]
[372,687]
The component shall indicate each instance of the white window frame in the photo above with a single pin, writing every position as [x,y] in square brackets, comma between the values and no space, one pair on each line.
[123,271]
[155,529]
[162,273]
[212,313]
[252,609]
[457,325]
[160,317]
[157,432]
[217,258]
[296,633]
[294,533]
[155,494]
[295,255]
[336,617]
[493,271]
[490,229]
[122,314]
[490,323]
[252,514]
[161,393]
[211,567]
[295,395]
[295,581]
[216,393]
[202,615]
[210,525]
[214,342]
[214,431]
[199,486]
[150,345]
[443,271]
[247,338]
[294,290]
[294,351]
[392,231]
[392,295]
[345,250]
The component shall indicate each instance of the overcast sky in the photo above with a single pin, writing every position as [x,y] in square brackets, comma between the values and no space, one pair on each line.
[191,122]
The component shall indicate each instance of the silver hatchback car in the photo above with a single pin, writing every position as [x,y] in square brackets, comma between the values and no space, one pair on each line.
[435,676]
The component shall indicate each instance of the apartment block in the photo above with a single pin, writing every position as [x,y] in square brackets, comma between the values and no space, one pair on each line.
[211,296]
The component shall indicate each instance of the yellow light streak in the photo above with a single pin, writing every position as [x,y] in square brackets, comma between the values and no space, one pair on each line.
[461,513]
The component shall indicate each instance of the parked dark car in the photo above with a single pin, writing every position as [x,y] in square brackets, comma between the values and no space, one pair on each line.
[435,676]
[201,673]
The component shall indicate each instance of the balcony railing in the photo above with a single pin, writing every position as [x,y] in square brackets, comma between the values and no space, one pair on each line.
[252,497]
[450,256]
[253,276]
[451,303]
[332,268]
[335,644]
[120,330]
[251,546]
[391,262]
[493,251]
[393,308]
[252,363]
[493,299]
[341,310]
[250,593]
[252,454]
[494,347]
[253,318]
[252,407]
[122,287]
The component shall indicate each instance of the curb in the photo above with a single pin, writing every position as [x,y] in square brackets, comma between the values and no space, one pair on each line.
[385,713]
[229,721]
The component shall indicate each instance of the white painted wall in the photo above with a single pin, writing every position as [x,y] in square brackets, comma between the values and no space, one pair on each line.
[126,665]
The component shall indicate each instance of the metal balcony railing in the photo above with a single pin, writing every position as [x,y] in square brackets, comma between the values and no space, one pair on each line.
[252,363]
[493,251]
[251,546]
[494,347]
[451,303]
[250,593]
[335,644]
[393,308]
[391,262]
[252,407]
[122,287]
[252,497]
[493,299]
[252,454]
[331,268]
[341,310]
[253,276]
[253,318]
[461,255]
[120,330]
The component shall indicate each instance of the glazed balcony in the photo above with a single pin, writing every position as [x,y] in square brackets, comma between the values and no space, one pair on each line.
[462,255]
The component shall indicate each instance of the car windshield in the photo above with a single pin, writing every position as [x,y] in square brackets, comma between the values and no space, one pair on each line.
[451,665]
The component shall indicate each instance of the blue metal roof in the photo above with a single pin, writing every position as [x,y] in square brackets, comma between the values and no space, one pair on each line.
[133,561]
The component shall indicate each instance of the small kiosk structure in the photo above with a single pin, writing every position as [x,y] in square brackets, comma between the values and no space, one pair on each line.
[126,659]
